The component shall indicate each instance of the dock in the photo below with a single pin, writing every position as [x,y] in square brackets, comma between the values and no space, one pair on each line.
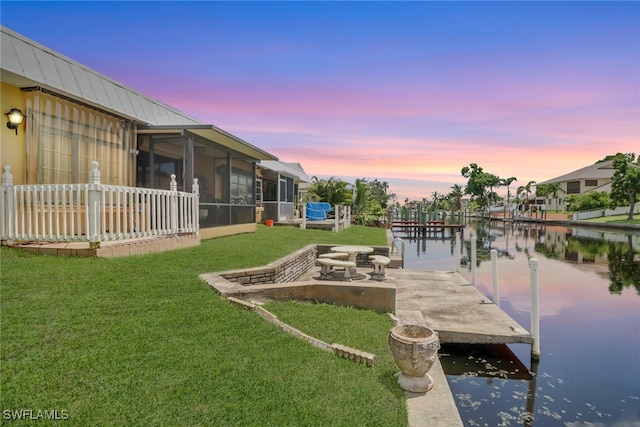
[452,306]
[445,302]
[426,228]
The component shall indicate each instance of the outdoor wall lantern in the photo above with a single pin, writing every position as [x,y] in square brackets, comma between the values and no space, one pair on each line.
[16,117]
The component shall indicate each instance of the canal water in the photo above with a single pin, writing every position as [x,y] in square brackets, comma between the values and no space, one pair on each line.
[589,368]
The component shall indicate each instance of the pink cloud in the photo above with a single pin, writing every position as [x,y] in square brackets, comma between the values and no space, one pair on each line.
[423,133]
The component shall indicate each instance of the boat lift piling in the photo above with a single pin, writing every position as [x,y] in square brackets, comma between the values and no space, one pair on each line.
[535,310]
[535,293]
[457,250]
[494,269]
[474,257]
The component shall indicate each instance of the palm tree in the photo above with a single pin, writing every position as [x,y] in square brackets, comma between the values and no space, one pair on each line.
[338,191]
[507,182]
[332,190]
[456,197]
[521,196]
[528,190]
[553,189]
[542,190]
[435,196]
[491,181]
[362,195]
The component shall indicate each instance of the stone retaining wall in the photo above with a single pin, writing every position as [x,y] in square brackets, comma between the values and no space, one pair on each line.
[291,267]
[285,279]
[287,269]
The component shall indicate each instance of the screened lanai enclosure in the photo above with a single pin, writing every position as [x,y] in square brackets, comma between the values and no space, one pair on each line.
[226,179]
[279,183]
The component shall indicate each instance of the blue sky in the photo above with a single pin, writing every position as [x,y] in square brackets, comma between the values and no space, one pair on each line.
[405,92]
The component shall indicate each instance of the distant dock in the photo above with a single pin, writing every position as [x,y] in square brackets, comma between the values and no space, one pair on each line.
[426,228]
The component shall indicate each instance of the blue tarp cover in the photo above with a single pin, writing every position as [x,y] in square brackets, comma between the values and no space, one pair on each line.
[317,211]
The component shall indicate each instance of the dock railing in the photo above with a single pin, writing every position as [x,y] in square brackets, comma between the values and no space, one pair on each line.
[94,212]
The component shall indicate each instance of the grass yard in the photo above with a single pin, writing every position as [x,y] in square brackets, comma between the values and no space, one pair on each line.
[143,341]
[617,219]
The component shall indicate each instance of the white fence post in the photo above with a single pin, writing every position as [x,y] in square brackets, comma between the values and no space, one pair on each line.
[8,207]
[494,269]
[457,250]
[473,260]
[173,210]
[196,205]
[535,310]
[93,206]
[303,225]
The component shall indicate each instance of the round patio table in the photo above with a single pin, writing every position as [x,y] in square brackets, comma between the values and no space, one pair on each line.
[352,250]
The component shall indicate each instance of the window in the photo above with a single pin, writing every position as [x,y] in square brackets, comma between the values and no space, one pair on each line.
[573,187]
[241,188]
[591,183]
[242,179]
[64,138]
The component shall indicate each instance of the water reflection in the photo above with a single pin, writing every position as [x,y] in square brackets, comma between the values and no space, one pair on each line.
[493,366]
[618,252]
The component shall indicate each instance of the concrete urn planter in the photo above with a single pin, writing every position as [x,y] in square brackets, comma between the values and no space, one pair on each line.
[414,350]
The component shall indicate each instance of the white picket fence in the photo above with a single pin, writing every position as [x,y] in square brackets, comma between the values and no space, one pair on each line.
[94,212]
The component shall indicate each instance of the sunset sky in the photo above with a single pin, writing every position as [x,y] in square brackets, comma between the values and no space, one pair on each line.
[405,92]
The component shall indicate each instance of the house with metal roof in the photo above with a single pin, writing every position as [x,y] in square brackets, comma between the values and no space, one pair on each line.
[79,124]
[596,177]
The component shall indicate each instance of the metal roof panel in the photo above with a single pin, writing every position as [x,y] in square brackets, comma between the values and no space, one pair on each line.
[27,63]
[84,85]
[97,94]
[109,90]
[9,57]
[123,100]
[49,70]
[137,107]
[66,76]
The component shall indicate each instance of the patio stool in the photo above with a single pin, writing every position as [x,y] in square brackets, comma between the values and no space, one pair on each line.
[334,255]
[327,265]
[379,262]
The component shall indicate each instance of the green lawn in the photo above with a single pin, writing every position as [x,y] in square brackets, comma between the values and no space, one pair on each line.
[143,341]
[617,219]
